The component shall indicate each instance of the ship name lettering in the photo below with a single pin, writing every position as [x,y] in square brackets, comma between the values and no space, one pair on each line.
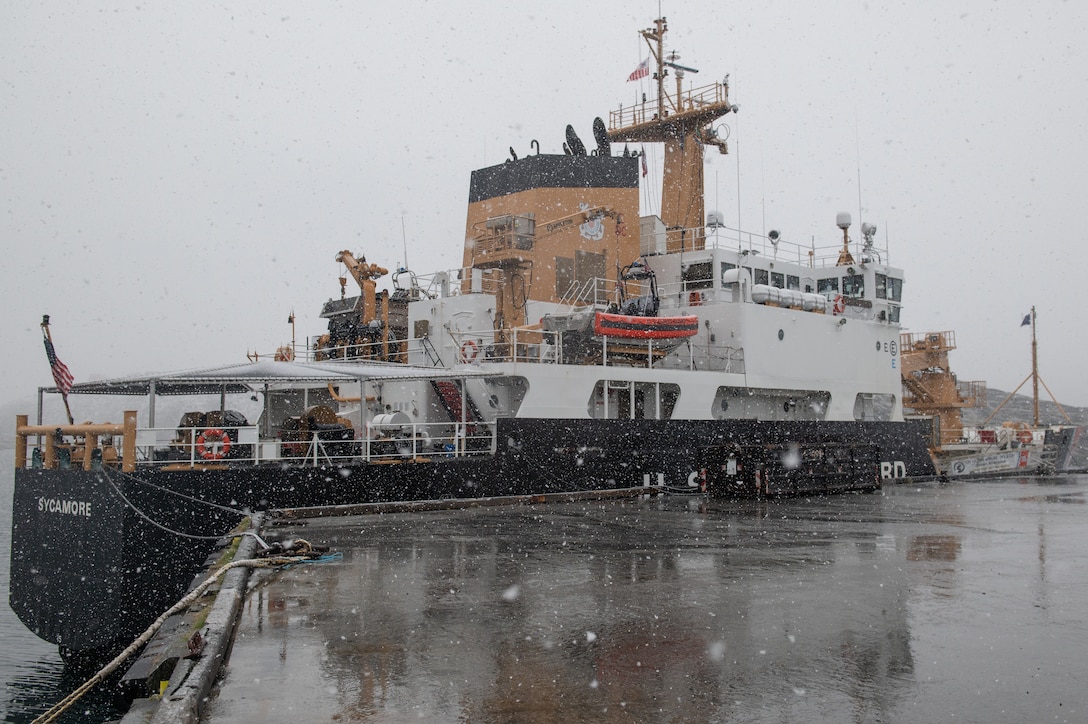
[64,507]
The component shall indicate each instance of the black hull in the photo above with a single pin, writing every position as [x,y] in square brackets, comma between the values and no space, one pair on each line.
[89,570]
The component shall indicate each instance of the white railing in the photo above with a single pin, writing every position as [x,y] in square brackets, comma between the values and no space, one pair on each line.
[416,441]
[184,448]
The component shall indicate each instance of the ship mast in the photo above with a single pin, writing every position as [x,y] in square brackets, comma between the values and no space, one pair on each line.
[1034,371]
[1035,381]
[682,123]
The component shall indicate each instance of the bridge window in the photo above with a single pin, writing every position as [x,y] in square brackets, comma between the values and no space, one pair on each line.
[828,287]
[853,286]
[889,287]
[698,276]
[778,280]
[759,276]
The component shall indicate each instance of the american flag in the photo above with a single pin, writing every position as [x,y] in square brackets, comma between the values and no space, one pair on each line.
[641,71]
[61,375]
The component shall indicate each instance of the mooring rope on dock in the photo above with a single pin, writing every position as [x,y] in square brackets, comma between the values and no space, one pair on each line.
[270,562]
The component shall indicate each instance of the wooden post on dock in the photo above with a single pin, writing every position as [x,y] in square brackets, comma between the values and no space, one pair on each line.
[20,441]
[128,455]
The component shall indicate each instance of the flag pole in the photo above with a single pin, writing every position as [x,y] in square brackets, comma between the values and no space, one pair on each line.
[63,392]
[1034,370]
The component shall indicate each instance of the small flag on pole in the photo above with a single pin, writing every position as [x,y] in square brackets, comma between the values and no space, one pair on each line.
[1027,320]
[61,375]
[641,71]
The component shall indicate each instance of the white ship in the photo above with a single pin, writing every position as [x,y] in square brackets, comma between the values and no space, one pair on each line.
[579,347]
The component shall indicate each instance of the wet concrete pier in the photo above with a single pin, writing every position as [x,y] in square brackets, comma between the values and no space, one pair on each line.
[932,602]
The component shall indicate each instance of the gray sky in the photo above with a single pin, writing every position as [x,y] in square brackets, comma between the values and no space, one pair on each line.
[177,177]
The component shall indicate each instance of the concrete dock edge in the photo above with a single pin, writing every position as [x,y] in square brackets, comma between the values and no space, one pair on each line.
[192,680]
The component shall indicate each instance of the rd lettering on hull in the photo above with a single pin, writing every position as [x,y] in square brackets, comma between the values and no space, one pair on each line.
[893,470]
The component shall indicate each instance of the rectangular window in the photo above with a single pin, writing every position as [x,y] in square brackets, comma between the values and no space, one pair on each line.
[564,275]
[778,280]
[889,288]
[793,282]
[853,286]
[726,266]
[759,276]
[895,289]
[828,287]
[893,313]
[698,276]
[588,266]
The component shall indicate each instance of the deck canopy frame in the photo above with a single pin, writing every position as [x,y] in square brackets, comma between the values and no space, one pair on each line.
[261,376]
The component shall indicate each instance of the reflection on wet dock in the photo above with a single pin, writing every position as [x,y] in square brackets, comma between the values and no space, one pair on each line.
[913,605]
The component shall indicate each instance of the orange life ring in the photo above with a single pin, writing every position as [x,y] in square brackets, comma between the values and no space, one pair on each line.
[212,436]
[840,304]
[1024,436]
[469,350]
[694,299]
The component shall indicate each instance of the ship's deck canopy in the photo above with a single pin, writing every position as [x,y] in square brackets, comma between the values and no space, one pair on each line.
[251,376]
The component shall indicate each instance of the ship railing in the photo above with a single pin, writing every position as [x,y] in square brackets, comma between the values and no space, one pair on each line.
[378,351]
[972,392]
[128,447]
[706,357]
[183,447]
[427,441]
[84,446]
[521,344]
[534,345]
[746,244]
[647,111]
[455,282]
[174,446]
[927,341]
[595,292]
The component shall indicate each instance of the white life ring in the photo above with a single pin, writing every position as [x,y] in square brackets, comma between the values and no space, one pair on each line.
[469,350]
[208,440]
[840,304]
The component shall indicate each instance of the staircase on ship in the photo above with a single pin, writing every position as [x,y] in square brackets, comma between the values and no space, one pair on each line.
[931,388]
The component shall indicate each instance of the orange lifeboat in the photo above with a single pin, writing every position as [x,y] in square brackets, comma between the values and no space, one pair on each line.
[630,327]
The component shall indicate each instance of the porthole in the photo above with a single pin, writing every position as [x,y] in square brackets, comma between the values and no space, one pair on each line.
[781,335]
